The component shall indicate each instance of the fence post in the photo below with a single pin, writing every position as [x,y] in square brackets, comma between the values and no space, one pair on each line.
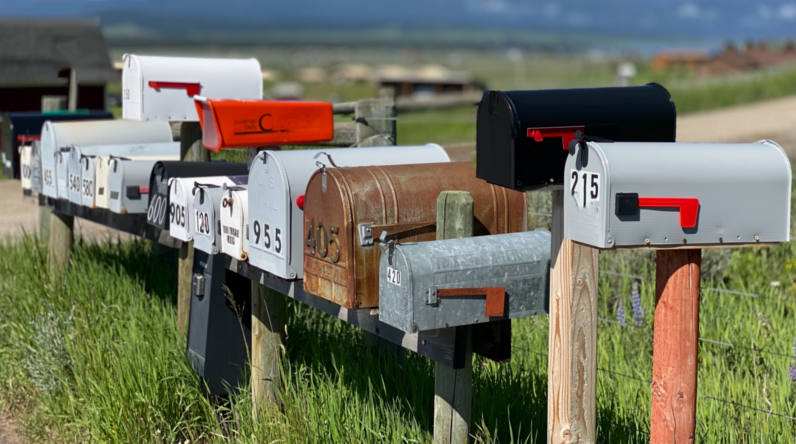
[61,239]
[375,117]
[572,345]
[453,389]
[191,150]
[675,346]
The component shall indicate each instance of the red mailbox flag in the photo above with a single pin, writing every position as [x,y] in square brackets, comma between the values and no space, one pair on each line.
[230,123]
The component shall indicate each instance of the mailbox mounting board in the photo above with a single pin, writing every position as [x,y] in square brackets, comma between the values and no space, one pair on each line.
[162,88]
[160,212]
[278,180]
[411,275]
[521,136]
[182,191]
[58,135]
[356,203]
[667,195]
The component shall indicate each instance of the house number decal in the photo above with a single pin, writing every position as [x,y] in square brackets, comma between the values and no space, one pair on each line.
[585,186]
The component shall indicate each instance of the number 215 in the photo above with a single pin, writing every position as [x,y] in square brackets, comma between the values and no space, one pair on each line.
[593,184]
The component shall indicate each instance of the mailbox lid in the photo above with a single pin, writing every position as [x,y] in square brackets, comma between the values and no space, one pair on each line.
[279,178]
[206,212]
[506,156]
[162,88]
[160,213]
[519,262]
[404,197]
[232,123]
[743,191]
[128,182]
[235,223]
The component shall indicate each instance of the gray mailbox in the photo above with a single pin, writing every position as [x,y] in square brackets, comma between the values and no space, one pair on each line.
[677,194]
[128,185]
[206,214]
[446,283]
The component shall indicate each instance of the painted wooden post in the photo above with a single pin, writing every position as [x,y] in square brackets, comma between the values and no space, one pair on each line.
[61,239]
[675,346]
[191,150]
[453,389]
[572,345]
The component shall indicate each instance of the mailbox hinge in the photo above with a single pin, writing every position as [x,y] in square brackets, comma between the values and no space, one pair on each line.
[431,296]
[365,234]
[198,285]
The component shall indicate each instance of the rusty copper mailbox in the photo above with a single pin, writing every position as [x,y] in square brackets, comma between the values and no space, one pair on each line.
[345,209]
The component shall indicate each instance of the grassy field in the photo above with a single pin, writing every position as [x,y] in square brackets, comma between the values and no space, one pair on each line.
[94,355]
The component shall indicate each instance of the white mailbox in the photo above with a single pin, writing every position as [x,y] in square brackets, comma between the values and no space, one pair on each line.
[61,173]
[181,196]
[35,166]
[82,175]
[56,136]
[162,88]
[677,194]
[235,222]
[278,180]
[207,206]
[25,159]
[128,185]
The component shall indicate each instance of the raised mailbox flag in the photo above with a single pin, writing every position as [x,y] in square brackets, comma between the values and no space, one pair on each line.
[228,123]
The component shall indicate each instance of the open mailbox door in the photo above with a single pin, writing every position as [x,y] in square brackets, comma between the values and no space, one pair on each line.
[162,88]
[228,123]
[670,195]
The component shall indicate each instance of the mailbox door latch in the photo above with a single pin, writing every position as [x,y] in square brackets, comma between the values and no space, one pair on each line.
[495,297]
[628,204]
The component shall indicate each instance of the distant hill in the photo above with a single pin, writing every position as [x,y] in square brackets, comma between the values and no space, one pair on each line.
[640,20]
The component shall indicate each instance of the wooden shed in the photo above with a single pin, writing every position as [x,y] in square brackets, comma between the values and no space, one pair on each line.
[32,52]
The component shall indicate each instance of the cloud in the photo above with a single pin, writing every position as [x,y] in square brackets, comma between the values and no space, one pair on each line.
[689,11]
[787,12]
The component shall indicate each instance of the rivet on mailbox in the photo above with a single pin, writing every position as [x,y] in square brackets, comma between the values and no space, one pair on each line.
[398,199]
[278,181]
[523,137]
[633,195]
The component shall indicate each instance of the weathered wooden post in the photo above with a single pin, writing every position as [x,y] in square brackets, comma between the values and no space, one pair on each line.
[453,389]
[572,345]
[376,122]
[675,346]
[191,150]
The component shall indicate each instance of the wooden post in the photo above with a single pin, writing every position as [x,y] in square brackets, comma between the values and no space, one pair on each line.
[61,239]
[453,389]
[269,322]
[191,150]
[675,345]
[375,117]
[572,345]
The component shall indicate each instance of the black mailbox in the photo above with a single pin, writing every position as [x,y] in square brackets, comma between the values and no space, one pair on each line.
[523,136]
[219,329]
[159,211]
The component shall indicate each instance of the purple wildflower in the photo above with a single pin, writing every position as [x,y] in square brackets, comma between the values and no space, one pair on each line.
[792,372]
[638,309]
[620,314]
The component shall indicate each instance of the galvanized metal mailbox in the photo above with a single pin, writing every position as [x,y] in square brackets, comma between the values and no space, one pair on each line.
[206,214]
[182,192]
[219,328]
[234,214]
[128,185]
[58,136]
[82,178]
[228,123]
[677,194]
[18,128]
[522,137]
[447,283]
[161,212]
[35,167]
[162,88]
[346,208]
[279,179]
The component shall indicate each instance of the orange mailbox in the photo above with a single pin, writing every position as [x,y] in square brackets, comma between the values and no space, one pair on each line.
[230,123]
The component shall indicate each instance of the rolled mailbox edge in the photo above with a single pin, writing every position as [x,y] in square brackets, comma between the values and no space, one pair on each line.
[517,262]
